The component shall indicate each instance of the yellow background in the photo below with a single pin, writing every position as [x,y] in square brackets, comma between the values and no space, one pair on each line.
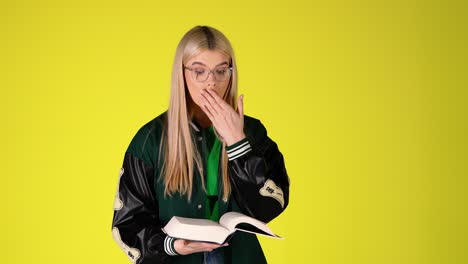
[366,100]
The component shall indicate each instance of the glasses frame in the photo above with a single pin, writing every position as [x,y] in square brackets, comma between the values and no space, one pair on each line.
[210,72]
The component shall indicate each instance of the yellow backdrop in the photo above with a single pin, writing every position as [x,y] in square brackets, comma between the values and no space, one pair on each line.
[366,100]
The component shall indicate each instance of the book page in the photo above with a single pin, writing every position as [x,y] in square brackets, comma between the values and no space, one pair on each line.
[196,229]
[253,230]
[232,219]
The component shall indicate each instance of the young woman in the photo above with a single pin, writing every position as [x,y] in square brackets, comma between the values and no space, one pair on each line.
[200,159]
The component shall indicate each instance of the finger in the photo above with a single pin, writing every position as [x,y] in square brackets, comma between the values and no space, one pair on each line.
[240,106]
[210,246]
[213,94]
[210,113]
[211,97]
[208,108]
[217,101]
[205,108]
[213,247]
[210,103]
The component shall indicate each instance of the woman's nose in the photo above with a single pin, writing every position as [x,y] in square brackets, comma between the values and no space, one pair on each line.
[211,82]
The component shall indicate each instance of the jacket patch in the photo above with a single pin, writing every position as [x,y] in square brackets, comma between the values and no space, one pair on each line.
[271,190]
[132,253]
[118,204]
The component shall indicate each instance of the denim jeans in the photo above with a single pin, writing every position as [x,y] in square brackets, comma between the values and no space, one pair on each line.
[214,257]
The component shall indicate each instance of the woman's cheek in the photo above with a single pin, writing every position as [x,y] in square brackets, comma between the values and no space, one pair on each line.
[197,97]
[221,92]
[194,93]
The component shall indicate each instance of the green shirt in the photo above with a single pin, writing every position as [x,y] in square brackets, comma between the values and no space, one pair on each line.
[212,164]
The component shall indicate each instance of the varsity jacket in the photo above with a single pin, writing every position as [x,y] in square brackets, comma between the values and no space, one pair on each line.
[259,188]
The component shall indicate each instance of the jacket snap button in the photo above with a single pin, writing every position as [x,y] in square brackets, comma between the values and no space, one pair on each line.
[200,138]
[199,206]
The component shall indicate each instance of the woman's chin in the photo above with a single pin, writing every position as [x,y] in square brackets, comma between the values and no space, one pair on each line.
[198,104]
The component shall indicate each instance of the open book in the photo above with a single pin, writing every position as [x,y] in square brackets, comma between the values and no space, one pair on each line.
[210,231]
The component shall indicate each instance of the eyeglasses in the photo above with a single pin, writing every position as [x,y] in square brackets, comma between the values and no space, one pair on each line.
[201,73]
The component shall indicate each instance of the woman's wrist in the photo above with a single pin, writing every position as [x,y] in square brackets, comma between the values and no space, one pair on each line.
[179,246]
[234,139]
[238,149]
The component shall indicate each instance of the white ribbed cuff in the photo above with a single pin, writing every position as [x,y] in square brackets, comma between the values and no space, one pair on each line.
[238,149]
[169,246]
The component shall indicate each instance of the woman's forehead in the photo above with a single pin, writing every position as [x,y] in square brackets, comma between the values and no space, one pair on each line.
[210,58]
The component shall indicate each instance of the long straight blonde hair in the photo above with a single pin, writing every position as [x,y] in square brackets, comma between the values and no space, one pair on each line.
[180,152]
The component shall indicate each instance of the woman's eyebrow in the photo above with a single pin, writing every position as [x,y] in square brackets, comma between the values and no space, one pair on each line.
[222,63]
[201,63]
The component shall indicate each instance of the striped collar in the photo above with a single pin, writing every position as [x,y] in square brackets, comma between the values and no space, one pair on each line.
[194,126]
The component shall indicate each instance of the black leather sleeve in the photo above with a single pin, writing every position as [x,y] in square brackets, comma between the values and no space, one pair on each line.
[260,183]
[135,225]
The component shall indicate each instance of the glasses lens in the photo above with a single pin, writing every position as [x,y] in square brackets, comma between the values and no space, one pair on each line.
[200,74]
[222,73]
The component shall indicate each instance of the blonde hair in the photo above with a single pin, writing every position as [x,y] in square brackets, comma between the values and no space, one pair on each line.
[180,152]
